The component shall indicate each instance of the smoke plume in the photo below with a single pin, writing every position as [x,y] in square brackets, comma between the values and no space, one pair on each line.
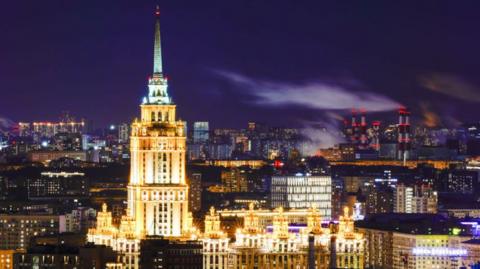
[5,123]
[451,85]
[322,95]
[321,134]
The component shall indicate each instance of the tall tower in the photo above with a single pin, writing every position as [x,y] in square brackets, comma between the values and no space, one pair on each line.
[404,139]
[157,191]
[363,129]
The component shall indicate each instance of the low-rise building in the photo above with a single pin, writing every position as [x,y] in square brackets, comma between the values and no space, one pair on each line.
[64,257]
[283,244]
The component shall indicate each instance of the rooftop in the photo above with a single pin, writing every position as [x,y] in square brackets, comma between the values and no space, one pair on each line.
[422,224]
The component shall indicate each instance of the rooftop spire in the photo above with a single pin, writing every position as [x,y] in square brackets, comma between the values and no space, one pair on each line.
[157,52]
[157,84]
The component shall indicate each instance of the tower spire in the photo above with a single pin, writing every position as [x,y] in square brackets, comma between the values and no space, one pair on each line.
[157,84]
[157,52]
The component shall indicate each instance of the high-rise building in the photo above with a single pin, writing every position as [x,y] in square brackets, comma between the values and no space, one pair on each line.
[379,198]
[303,192]
[123,133]
[234,180]
[200,132]
[157,190]
[195,192]
[415,199]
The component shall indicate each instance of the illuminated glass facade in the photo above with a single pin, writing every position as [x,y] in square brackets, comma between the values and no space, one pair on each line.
[303,192]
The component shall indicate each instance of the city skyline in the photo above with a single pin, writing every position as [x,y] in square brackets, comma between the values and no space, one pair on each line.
[327,171]
[249,56]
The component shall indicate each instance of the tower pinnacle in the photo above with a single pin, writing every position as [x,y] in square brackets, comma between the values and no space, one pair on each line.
[157,53]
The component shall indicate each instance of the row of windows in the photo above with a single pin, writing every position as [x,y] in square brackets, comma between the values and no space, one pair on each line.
[162,196]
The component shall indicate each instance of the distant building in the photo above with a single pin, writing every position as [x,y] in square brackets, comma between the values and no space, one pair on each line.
[388,150]
[47,156]
[200,132]
[24,129]
[79,220]
[16,230]
[234,180]
[253,163]
[196,152]
[415,199]
[397,241]
[347,152]
[194,181]
[219,151]
[49,129]
[123,133]
[460,181]
[379,198]
[303,192]
[65,257]
[57,184]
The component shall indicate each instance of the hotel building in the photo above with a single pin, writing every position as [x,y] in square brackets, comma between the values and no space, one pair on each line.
[283,244]
[157,191]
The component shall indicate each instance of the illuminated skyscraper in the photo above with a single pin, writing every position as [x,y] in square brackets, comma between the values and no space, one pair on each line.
[157,191]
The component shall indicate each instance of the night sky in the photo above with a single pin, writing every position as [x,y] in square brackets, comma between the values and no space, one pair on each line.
[229,62]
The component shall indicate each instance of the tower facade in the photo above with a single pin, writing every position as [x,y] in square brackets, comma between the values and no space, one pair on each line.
[157,192]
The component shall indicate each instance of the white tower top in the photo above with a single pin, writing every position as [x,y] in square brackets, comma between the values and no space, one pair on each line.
[157,84]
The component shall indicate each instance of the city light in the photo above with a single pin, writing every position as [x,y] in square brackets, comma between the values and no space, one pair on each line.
[439,251]
[287,159]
